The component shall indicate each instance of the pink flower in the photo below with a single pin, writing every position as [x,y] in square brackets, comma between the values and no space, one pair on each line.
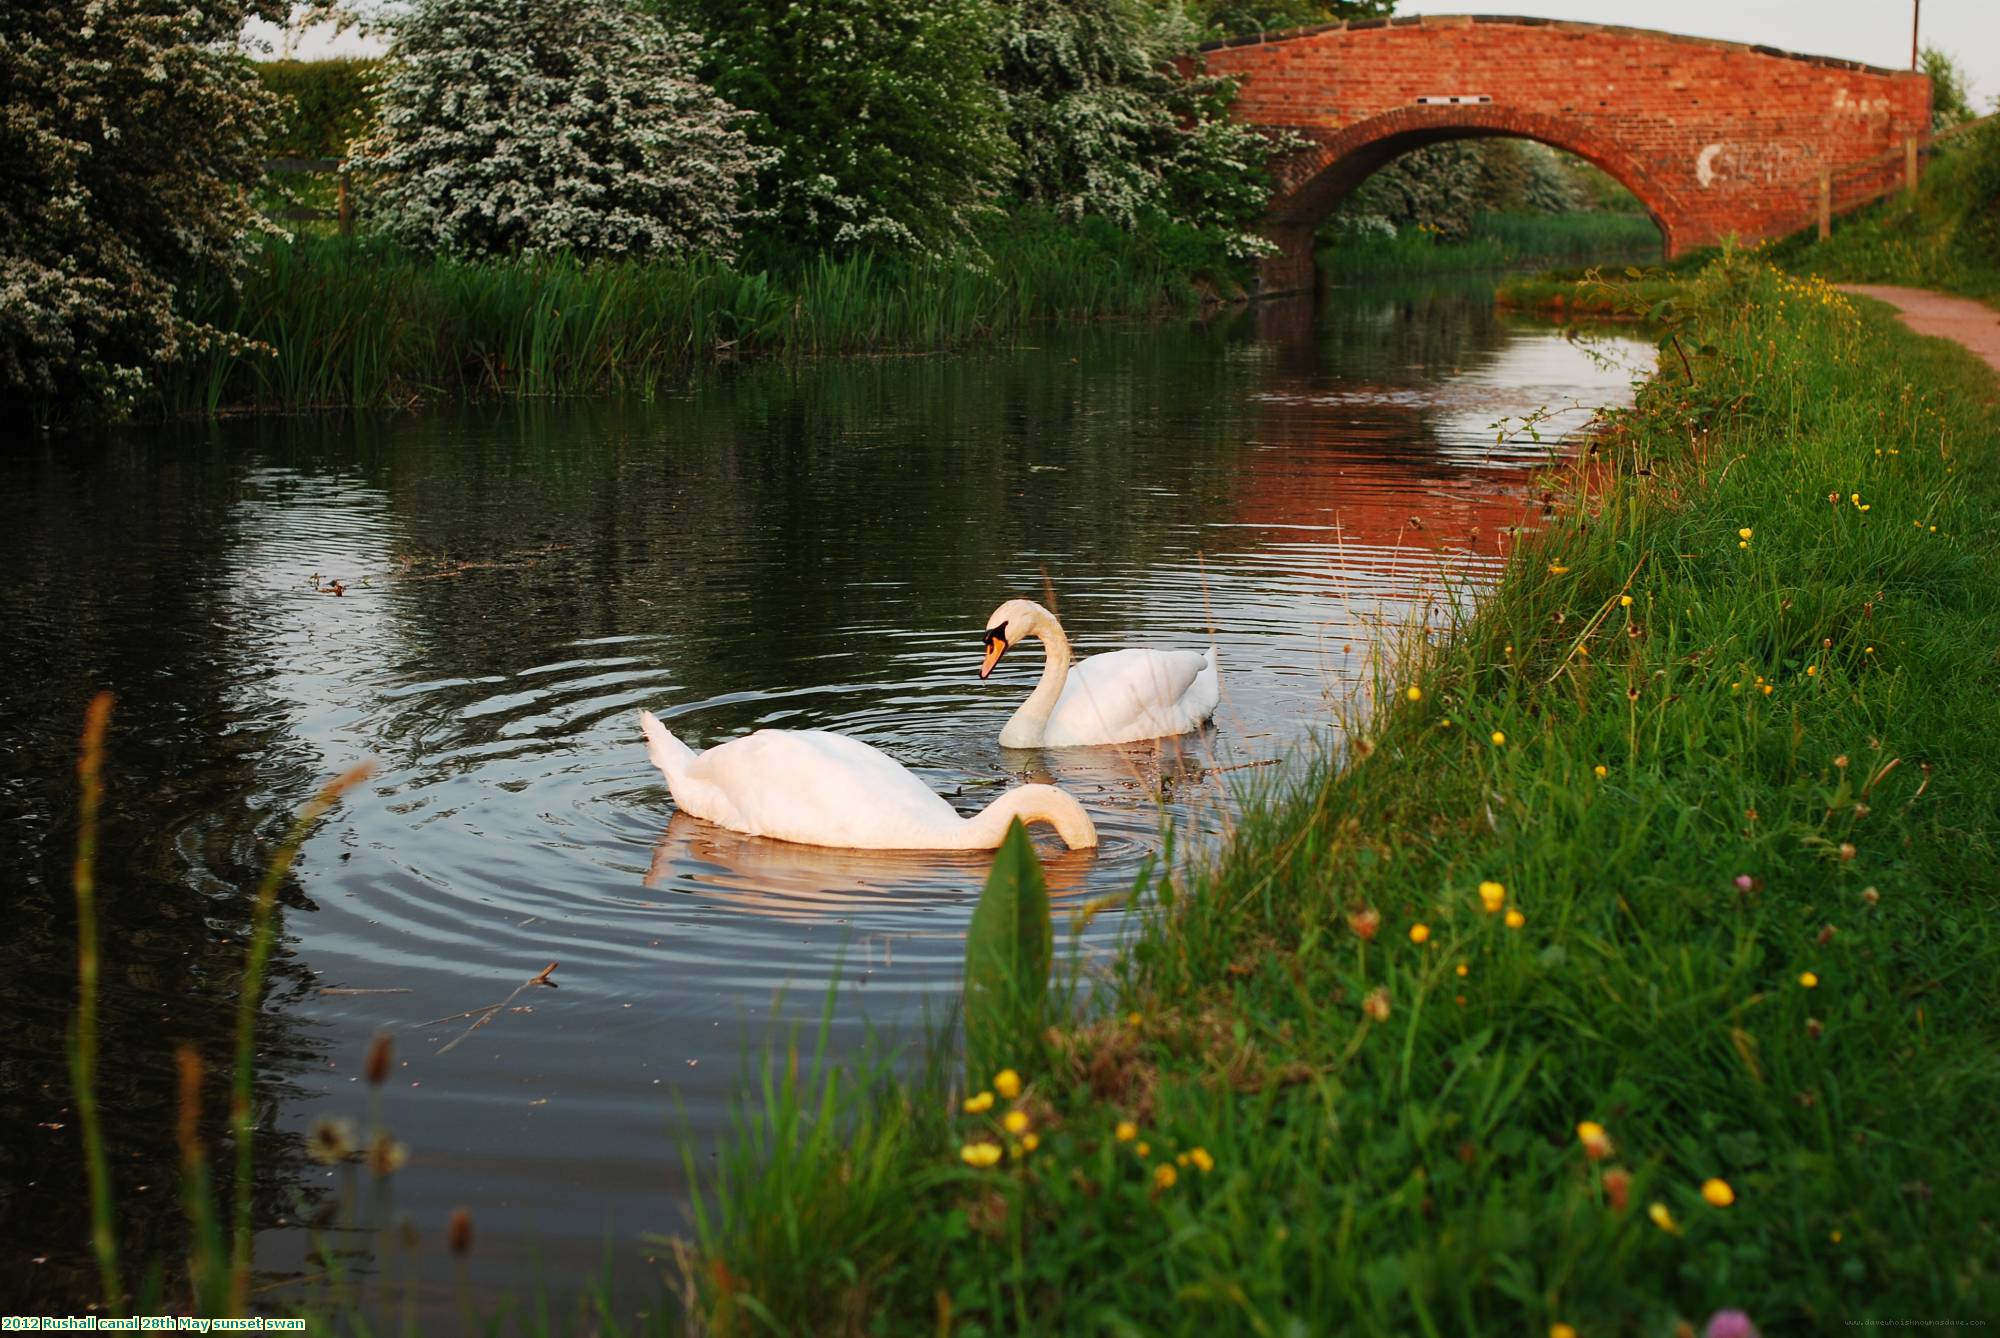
[1729,1324]
[1744,882]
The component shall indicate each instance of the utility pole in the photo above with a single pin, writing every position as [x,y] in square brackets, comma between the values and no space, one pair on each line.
[1916,8]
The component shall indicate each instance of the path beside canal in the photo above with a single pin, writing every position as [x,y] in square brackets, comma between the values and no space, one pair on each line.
[1973,324]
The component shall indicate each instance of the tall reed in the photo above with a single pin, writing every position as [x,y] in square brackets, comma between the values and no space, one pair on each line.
[83,1040]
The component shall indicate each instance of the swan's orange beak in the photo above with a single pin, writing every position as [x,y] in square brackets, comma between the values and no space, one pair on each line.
[995,648]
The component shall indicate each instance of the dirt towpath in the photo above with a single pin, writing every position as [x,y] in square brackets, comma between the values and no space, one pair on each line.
[1973,324]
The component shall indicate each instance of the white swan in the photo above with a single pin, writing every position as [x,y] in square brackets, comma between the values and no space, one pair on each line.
[1118,697]
[824,789]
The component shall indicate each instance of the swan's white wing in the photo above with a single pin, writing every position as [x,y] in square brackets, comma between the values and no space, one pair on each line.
[1125,695]
[817,788]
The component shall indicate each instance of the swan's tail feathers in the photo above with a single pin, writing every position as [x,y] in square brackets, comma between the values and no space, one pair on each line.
[668,753]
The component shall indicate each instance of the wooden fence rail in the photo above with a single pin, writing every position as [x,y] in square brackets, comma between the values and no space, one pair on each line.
[343,210]
[1913,152]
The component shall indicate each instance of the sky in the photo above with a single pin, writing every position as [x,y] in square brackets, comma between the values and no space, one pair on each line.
[1874,31]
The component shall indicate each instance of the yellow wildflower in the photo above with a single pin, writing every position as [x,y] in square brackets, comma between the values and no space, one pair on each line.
[1812,671]
[1419,933]
[1463,969]
[1414,694]
[980,1154]
[979,1105]
[1127,1131]
[1515,919]
[1767,689]
[1202,1161]
[1132,1019]
[1809,980]
[1016,1121]
[1499,739]
[1663,1219]
[1596,1143]
[1601,770]
[1492,896]
[1557,569]
[1164,1176]
[1562,1331]
[1030,1141]
[1743,533]
[1007,1083]
[1143,1148]
[1718,1193]
[1624,601]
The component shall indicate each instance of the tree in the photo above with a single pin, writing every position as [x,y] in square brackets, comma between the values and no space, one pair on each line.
[1232,18]
[129,135]
[886,129]
[1104,122]
[510,126]
[1949,103]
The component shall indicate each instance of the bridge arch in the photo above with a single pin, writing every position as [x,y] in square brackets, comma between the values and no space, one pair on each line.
[1717,139]
[1322,176]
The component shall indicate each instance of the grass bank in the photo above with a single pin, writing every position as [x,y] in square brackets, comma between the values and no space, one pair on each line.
[1496,241]
[1636,964]
[327,322]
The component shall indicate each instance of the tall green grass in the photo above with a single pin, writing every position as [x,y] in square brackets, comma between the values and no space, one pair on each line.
[1687,833]
[326,322]
[1497,241]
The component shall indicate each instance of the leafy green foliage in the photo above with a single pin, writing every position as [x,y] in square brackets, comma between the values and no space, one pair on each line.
[328,105]
[1950,100]
[886,130]
[1008,952]
[127,142]
[541,125]
[1105,122]
[1232,18]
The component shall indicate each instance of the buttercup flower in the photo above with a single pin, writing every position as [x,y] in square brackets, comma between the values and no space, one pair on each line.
[1492,896]
[1557,569]
[1718,1193]
[1663,1219]
[1624,601]
[1414,694]
[1007,1083]
[1809,980]
[1164,1176]
[1030,1141]
[1562,1331]
[1015,1121]
[1515,919]
[1463,969]
[1126,1131]
[1499,739]
[980,1154]
[979,1105]
[1743,533]
[1202,1161]
[1419,933]
[1143,1148]
[1596,1143]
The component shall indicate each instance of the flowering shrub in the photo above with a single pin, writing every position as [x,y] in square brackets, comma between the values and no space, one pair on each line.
[1105,123]
[128,131]
[535,125]
[886,130]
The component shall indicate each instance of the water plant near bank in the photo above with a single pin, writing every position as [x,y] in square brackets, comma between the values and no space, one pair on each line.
[361,323]
[1623,970]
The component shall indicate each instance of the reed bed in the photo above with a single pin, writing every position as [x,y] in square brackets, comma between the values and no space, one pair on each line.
[1628,969]
[1497,241]
[357,323]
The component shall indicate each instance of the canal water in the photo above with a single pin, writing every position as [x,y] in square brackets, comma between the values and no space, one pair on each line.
[479,601]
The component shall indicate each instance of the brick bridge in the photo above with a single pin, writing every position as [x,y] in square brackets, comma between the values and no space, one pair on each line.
[1716,139]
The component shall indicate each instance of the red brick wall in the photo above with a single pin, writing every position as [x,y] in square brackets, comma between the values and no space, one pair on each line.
[1717,139]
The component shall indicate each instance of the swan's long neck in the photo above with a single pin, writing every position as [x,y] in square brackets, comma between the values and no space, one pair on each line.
[1031,804]
[1024,730]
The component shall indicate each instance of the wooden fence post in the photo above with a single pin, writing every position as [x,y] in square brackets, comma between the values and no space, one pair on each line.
[345,209]
[1825,205]
[1910,164]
